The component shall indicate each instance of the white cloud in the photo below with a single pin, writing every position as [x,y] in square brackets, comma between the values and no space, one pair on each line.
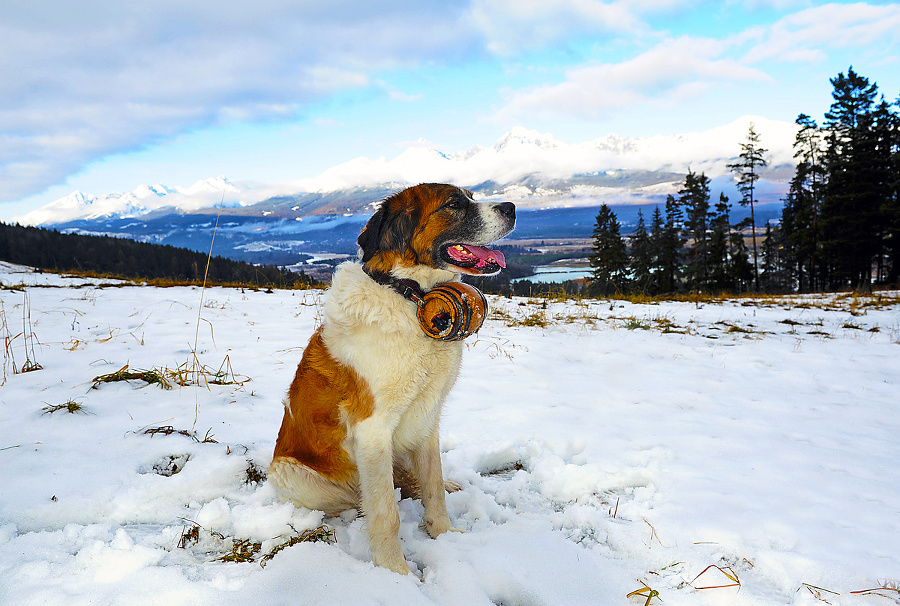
[82,80]
[805,35]
[676,68]
[513,25]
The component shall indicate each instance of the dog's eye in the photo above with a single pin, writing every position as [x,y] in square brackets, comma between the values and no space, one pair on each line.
[457,203]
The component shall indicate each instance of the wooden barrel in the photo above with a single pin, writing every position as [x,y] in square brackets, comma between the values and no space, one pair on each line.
[452,311]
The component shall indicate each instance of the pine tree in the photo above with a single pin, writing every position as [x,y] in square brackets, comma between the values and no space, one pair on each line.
[751,159]
[740,270]
[609,256]
[892,205]
[657,235]
[641,258]
[717,251]
[774,279]
[858,178]
[694,198]
[669,251]
[801,232]
[885,155]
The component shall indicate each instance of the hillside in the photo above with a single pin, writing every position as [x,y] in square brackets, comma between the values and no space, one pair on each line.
[52,250]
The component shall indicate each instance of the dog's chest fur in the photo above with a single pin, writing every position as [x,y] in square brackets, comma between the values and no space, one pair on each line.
[373,330]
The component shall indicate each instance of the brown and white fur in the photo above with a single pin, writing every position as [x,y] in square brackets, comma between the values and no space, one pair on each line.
[365,404]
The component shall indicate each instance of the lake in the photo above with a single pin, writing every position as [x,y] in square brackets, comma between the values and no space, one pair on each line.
[550,274]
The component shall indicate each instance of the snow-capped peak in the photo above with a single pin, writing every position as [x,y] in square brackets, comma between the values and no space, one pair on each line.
[520,137]
[138,202]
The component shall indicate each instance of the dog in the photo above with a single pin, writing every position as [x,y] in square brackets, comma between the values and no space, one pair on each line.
[362,413]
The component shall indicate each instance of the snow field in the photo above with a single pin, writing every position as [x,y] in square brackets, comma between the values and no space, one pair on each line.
[596,452]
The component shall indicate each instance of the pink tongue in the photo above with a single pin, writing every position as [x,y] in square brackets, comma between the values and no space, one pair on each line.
[484,255]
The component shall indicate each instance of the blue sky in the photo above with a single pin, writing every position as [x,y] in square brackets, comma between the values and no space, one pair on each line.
[103,95]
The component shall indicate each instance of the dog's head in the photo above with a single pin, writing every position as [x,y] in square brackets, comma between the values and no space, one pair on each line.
[438,226]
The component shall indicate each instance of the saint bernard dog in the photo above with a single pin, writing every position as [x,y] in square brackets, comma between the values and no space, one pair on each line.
[362,413]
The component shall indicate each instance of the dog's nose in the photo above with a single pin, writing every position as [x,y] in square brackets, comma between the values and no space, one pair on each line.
[507,208]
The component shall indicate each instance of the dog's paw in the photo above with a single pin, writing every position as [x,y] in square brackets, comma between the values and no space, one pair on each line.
[395,564]
[451,486]
[436,528]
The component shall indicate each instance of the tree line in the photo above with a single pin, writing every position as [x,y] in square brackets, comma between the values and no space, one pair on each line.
[689,246]
[839,228]
[51,250]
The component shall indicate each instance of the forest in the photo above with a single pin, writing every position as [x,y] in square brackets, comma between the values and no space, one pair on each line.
[839,226]
[103,255]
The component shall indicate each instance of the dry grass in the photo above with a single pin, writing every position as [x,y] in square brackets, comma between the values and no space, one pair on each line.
[242,550]
[168,430]
[183,376]
[818,592]
[322,534]
[711,577]
[887,589]
[237,550]
[151,377]
[647,591]
[633,323]
[193,372]
[70,406]
[504,470]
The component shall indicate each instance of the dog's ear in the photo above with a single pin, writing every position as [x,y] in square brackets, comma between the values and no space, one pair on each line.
[371,234]
[387,230]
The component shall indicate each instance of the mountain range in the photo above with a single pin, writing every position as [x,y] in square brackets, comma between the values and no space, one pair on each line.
[557,185]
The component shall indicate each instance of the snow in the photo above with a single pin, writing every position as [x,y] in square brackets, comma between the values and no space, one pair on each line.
[617,444]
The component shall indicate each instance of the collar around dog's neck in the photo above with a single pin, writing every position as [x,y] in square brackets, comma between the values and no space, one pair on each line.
[407,288]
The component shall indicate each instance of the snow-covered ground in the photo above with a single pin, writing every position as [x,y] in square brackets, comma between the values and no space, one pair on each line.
[600,445]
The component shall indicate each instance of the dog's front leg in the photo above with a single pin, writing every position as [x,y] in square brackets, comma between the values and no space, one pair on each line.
[374,460]
[426,466]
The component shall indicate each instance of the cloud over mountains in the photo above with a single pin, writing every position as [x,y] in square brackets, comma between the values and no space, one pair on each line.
[518,166]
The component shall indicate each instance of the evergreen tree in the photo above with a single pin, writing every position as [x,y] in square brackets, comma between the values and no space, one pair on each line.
[609,257]
[774,276]
[641,258]
[657,237]
[892,205]
[694,198]
[798,224]
[717,251]
[858,169]
[802,208]
[670,245]
[885,156]
[740,270]
[751,159]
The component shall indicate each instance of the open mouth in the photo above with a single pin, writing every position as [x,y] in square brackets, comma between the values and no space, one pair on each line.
[474,259]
